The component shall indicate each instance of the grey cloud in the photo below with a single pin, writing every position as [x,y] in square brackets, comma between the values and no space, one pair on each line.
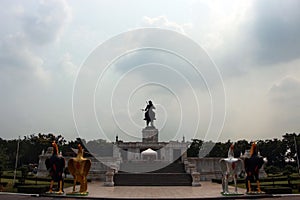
[30,98]
[170,69]
[277,28]
[17,61]
[267,35]
[286,93]
[174,50]
[284,101]
[47,22]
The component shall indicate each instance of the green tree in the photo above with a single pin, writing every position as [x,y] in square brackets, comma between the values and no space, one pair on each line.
[32,146]
[240,147]
[291,147]
[193,150]
[11,150]
[274,150]
[219,149]
[3,155]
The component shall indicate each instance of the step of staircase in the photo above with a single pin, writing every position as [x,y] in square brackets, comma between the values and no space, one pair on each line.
[152,174]
[153,179]
[172,168]
[152,167]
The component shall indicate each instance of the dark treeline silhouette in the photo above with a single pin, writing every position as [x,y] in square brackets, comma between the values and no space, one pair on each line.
[279,152]
[30,147]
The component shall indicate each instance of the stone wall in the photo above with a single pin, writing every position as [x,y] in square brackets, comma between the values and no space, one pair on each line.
[209,168]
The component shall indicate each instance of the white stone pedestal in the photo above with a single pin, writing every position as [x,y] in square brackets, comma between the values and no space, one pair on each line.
[109,179]
[150,134]
[196,179]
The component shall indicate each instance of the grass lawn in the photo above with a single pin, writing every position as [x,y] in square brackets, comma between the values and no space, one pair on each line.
[9,187]
[278,181]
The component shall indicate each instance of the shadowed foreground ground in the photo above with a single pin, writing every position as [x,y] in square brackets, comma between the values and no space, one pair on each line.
[208,190]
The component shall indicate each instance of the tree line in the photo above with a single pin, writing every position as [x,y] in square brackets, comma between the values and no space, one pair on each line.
[30,147]
[280,153]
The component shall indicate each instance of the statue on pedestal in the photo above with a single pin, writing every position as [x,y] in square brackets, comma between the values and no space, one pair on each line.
[230,167]
[79,167]
[55,165]
[149,114]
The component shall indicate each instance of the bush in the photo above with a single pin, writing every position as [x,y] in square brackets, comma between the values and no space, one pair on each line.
[288,170]
[272,170]
[24,173]
[277,190]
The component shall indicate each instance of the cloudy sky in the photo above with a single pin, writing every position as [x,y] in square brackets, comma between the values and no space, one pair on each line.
[249,61]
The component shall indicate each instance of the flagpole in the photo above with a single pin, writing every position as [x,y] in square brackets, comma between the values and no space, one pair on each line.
[297,154]
[16,163]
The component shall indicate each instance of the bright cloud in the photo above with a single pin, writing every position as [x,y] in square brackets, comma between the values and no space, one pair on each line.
[164,22]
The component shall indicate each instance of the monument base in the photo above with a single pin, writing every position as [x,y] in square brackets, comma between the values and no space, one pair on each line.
[150,134]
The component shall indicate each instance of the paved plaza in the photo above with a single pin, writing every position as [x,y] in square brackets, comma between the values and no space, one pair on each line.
[208,190]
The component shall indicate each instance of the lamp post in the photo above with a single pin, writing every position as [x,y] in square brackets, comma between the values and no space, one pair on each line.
[16,163]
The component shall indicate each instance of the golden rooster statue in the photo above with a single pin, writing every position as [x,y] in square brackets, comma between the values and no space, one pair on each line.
[79,167]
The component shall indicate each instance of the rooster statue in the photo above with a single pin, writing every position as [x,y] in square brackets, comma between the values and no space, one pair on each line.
[79,167]
[252,167]
[230,168]
[55,165]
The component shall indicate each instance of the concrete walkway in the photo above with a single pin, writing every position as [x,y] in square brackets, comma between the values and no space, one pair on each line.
[207,190]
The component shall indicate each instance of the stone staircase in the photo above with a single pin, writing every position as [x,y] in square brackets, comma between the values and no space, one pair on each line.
[170,175]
